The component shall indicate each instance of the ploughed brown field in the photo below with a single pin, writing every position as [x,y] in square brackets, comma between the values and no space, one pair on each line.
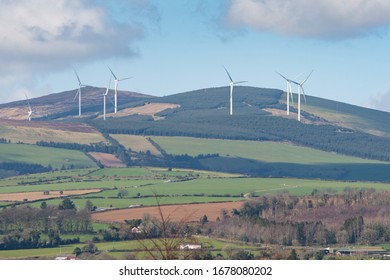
[108,160]
[149,109]
[184,212]
[31,196]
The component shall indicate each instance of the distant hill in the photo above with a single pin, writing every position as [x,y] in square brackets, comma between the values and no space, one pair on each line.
[64,104]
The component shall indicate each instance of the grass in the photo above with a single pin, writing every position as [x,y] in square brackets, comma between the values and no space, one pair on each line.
[264,151]
[44,155]
[119,249]
[207,187]
[135,143]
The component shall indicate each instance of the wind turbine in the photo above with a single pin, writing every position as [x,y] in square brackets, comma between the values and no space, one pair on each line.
[79,91]
[116,82]
[29,109]
[232,83]
[288,92]
[104,99]
[300,88]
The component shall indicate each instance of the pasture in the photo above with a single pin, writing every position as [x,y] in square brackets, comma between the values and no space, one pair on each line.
[276,159]
[124,187]
[44,155]
[265,151]
[136,143]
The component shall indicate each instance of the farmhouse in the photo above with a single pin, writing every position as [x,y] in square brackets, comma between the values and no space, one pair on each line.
[188,246]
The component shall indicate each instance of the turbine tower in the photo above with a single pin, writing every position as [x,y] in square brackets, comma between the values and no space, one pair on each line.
[104,99]
[288,92]
[300,88]
[79,92]
[29,109]
[232,83]
[116,82]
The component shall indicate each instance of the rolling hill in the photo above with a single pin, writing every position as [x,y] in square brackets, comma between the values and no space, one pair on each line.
[328,130]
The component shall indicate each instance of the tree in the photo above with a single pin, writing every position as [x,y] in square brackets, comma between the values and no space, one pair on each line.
[164,237]
[77,251]
[293,255]
[89,206]
[204,219]
[43,205]
[122,193]
[66,204]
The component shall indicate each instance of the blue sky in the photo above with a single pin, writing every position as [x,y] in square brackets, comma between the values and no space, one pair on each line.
[174,46]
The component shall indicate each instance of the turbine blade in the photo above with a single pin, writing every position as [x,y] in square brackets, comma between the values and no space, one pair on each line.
[307,77]
[240,82]
[28,102]
[291,94]
[112,73]
[109,98]
[108,87]
[125,79]
[77,93]
[78,78]
[282,76]
[304,95]
[227,72]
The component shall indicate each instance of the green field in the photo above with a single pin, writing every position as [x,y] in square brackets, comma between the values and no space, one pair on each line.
[196,188]
[119,249]
[264,151]
[276,159]
[44,155]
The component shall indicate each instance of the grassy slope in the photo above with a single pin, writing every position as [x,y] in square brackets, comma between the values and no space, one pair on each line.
[43,155]
[276,159]
[355,117]
[263,151]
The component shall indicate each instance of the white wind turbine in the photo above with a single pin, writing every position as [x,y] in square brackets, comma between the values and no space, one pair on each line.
[288,92]
[116,82]
[30,112]
[232,83]
[104,99]
[79,91]
[300,88]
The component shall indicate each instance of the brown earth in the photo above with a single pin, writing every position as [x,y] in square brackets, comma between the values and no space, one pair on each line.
[74,127]
[149,109]
[31,196]
[108,160]
[184,212]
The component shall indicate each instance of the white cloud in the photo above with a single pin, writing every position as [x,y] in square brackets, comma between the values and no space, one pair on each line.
[330,19]
[43,36]
[380,101]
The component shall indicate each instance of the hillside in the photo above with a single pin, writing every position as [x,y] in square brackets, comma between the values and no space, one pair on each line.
[64,104]
[258,116]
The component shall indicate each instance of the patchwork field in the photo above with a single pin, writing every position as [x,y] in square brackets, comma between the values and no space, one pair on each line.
[108,160]
[136,143]
[149,109]
[31,132]
[125,187]
[31,196]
